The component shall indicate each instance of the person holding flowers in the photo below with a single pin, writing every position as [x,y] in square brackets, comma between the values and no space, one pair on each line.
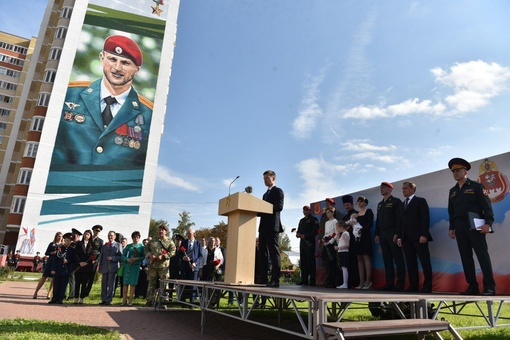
[132,256]
[212,261]
[158,252]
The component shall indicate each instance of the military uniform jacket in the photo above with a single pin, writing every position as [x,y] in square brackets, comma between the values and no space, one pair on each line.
[387,214]
[156,246]
[470,198]
[83,139]
[58,266]
[96,249]
[309,227]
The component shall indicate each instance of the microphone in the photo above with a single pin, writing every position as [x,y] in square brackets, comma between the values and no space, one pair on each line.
[248,189]
[235,179]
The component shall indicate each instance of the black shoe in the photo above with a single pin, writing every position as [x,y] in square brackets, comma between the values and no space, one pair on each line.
[489,292]
[273,284]
[312,284]
[101,303]
[426,290]
[470,291]
[51,302]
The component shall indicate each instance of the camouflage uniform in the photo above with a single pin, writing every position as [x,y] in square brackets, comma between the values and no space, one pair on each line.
[158,268]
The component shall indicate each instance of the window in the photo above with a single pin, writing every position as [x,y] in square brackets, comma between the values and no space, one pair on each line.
[9,73]
[15,48]
[3,126]
[5,112]
[49,76]
[44,99]
[5,99]
[55,53]
[66,12]
[60,33]
[11,60]
[24,176]
[31,149]
[18,204]
[37,123]
[8,86]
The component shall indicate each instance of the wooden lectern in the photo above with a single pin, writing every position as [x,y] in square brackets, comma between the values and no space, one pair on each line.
[241,209]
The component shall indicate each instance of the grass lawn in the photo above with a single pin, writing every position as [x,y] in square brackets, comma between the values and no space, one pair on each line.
[470,316]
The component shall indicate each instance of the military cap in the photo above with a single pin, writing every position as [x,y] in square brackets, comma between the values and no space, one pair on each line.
[330,200]
[347,199]
[163,227]
[123,47]
[387,184]
[97,226]
[76,232]
[68,235]
[459,163]
[306,207]
[179,237]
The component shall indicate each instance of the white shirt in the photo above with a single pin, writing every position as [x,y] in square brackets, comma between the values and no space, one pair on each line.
[121,98]
[329,228]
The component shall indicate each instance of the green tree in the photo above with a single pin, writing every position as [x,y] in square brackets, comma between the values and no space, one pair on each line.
[154,225]
[284,242]
[184,224]
[220,231]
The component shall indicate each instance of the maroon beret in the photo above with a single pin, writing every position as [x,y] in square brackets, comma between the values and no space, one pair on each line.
[123,47]
[330,200]
[306,207]
[387,184]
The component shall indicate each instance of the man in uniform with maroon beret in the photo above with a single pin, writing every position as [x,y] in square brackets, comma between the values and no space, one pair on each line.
[106,122]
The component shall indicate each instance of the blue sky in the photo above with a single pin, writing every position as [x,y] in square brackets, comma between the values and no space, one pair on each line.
[335,96]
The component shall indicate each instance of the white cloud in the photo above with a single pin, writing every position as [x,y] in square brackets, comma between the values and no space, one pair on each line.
[473,83]
[165,175]
[310,111]
[364,145]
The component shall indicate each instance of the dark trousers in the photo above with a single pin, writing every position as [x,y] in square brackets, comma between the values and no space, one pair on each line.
[467,241]
[331,277]
[392,253]
[90,282]
[72,285]
[269,241]
[414,250]
[190,292]
[307,261]
[59,287]
[81,281]
[141,287]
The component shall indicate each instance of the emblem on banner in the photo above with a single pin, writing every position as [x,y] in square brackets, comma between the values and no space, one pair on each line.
[155,9]
[317,209]
[496,183]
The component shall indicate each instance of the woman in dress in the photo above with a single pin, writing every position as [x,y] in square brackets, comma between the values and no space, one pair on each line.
[83,274]
[51,252]
[363,245]
[132,256]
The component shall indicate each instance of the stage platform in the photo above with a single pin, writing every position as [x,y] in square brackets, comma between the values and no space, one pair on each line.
[312,307]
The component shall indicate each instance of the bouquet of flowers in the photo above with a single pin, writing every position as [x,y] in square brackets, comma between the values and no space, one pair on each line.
[183,250]
[216,262]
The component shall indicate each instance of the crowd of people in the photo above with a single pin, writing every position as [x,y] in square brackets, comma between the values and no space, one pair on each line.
[402,231]
[74,258]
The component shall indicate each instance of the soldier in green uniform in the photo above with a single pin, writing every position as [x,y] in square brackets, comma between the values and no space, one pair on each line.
[158,252]
[106,122]
[466,197]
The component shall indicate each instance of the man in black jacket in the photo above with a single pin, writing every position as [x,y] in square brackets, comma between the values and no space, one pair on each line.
[269,229]
[306,232]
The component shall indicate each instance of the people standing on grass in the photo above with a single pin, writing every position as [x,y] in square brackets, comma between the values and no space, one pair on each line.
[61,269]
[82,275]
[108,266]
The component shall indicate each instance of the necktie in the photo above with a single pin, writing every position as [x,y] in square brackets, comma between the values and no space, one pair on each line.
[406,203]
[107,112]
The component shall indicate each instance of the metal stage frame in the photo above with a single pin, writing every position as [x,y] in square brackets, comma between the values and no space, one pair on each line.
[323,304]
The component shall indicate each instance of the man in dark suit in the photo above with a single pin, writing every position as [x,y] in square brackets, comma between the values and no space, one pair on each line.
[108,266]
[269,229]
[191,262]
[413,236]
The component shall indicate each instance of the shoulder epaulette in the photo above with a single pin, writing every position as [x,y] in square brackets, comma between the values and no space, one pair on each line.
[80,83]
[145,101]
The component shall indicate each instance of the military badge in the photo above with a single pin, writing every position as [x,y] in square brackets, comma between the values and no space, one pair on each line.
[68,116]
[71,105]
[155,9]
[79,118]
[118,140]
[135,104]
[118,50]
[496,183]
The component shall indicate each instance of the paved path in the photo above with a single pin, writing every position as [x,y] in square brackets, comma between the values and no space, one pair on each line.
[133,322]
